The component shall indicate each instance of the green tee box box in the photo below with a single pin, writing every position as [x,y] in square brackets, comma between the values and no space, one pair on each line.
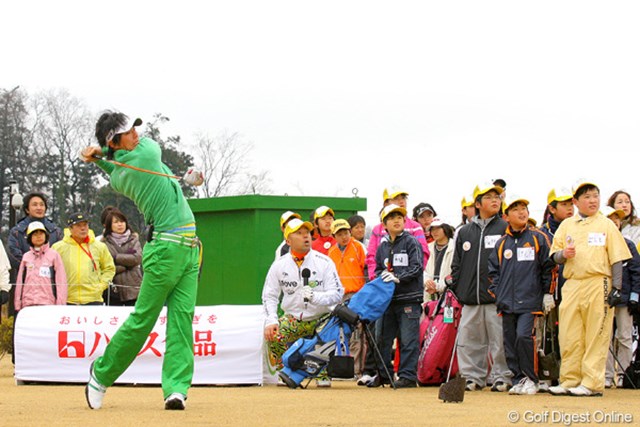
[240,235]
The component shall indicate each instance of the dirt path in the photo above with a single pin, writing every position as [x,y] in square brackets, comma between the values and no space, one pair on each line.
[344,404]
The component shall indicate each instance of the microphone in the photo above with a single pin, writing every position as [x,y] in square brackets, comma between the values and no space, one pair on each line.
[306,273]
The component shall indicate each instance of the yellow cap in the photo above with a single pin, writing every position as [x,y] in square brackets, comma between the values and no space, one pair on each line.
[385,195]
[559,195]
[581,183]
[608,211]
[512,199]
[35,226]
[394,192]
[484,188]
[322,211]
[295,225]
[467,201]
[287,216]
[392,208]
[339,224]
[532,221]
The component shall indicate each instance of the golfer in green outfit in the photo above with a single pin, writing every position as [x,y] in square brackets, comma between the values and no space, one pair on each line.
[170,260]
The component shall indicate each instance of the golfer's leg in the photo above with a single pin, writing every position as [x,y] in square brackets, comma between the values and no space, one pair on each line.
[472,346]
[509,330]
[386,335]
[598,324]
[177,366]
[128,340]
[624,336]
[525,345]
[409,319]
[571,334]
[495,343]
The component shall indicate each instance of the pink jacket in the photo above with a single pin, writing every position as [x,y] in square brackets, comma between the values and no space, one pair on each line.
[34,282]
[410,226]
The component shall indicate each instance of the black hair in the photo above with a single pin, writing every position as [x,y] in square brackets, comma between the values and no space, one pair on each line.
[46,238]
[506,211]
[114,213]
[354,220]
[419,206]
[105,213]
[388,217]
[27,199]
[109,121]
[448,230]
[584,189]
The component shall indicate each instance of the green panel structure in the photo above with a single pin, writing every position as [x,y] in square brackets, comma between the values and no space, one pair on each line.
[240,235]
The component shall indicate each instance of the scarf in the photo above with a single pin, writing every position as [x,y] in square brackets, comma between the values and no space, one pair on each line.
[121,239]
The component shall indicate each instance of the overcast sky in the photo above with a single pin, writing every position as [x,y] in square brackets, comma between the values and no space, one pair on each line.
[434,96]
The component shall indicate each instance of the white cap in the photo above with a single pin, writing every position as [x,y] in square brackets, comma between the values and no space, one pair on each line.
[126,127]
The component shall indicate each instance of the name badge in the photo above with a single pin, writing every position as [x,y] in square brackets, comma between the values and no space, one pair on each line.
[526,254]
[400,260]
[447,314]
[597,239]
[490,241]
[45,272]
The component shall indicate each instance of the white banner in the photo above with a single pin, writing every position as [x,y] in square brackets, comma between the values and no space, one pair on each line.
[58,343]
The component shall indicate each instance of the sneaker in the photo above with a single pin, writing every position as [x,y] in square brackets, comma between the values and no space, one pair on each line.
[281,382]
[364,380]
[543,386]
[405,383]
[378,381]
[325,382]
[175,401]
[608,383]
[583,391]
[500,386]
[529,387]
[620,382]
[517,389]
[558,390]
[94,391]
[471,386]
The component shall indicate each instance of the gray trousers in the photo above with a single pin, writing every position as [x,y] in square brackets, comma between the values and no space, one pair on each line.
[622,343]
[480,343]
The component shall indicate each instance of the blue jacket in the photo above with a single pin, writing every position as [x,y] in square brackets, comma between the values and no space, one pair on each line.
[630,273]
[17,242]
[521,272]
[549,228]
[403,257]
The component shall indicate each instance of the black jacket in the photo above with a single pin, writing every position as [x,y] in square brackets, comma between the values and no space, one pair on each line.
[469,268]
[521,272]
[630,273]
[403,257]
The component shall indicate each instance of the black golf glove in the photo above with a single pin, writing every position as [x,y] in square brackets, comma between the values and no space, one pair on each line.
[4,297]
[614,298]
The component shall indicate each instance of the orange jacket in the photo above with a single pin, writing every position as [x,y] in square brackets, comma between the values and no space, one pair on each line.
[350,265]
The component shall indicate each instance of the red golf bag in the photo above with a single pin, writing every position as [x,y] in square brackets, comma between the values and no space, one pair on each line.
[438,331]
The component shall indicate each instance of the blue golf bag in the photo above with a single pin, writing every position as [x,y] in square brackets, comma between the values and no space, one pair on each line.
[307,357]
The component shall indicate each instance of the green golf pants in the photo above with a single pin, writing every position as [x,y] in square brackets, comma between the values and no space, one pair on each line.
[171,276]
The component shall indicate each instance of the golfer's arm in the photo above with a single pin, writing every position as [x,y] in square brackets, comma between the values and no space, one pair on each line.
[105,166]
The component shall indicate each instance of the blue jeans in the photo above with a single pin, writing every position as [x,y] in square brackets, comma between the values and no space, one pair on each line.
[401,320]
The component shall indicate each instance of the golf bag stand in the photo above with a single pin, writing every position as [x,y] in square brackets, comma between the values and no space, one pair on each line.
[377,355]
[307,357]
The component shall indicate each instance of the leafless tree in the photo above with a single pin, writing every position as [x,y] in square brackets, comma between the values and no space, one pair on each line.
[224,161]
[64,125]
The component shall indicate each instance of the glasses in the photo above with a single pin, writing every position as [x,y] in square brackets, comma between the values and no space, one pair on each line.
[491,197]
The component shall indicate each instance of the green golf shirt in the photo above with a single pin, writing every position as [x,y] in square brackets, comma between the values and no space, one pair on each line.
[159,198]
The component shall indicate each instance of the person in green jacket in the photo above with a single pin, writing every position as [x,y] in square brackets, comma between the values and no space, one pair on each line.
[170,260]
